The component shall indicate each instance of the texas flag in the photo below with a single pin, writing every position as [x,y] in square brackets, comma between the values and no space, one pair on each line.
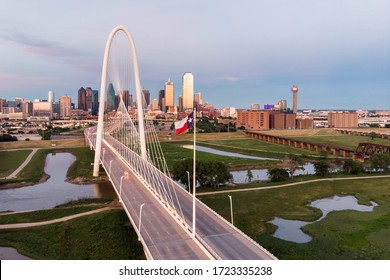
[185,124]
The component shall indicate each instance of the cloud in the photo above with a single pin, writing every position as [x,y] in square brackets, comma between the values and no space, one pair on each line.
[11,81]
[229,79]
[51,51]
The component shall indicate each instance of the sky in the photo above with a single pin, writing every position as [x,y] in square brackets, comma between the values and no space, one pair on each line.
[240,52]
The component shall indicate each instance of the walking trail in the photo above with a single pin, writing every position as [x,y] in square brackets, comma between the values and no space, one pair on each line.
[59,220]
[23,165]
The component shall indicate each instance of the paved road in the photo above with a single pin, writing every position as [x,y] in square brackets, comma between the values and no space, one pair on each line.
[23,165]
[164,237]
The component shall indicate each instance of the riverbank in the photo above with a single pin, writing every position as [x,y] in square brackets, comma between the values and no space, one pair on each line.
[80,172]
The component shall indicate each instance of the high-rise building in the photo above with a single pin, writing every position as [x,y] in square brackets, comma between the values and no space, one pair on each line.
[88,99]
[197,100]
[155,105]
[65,106]
[294,89]
[126,97]
[161,100]
[43,110]
[169,97]
[95,102]
[111,99]
[188,91]
[146,95]
[82,95]
[50,96]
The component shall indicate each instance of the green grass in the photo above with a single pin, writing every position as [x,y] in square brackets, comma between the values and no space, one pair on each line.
[174,152]
[11,160]
[255,147]
[105,235]
[341,235]
[34,170]
[44,215]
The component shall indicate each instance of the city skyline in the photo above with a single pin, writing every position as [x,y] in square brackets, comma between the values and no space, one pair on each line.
[239,53]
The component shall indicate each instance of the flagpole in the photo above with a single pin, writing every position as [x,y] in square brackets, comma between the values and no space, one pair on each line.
[194,180]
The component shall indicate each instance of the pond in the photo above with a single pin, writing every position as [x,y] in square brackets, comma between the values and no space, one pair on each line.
[54,191]
[9,253]
[240,176]
[290,230]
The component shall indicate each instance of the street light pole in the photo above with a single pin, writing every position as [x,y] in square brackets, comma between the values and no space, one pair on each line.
[120,185]
[109,173]
[139,222]
[189,183]
[231,208]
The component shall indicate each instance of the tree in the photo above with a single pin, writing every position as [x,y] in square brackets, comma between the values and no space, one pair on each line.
[294,163]
[380,162]
[212,173]
[372,135]
[208,173]
[322,167]
[249,175]
[179,171]
[351,166]
[278,174]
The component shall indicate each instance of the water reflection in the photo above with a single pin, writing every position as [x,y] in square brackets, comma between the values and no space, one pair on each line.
[54,191]
[290,230]
[240,176]
[9,253]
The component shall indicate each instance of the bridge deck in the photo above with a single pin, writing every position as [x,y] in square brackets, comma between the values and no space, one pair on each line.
[164,238]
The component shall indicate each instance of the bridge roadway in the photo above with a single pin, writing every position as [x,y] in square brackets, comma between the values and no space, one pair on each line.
[165,238]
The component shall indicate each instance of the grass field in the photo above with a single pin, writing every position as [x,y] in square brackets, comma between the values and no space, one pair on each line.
[173,151]
[104,236]
[341,235]
[10,160]
[34,170]
[74,142]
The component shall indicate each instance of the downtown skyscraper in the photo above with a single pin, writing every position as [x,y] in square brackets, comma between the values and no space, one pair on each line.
[169,97]
[188,91]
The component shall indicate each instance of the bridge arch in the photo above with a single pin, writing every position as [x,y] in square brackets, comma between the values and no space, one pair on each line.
[103,90]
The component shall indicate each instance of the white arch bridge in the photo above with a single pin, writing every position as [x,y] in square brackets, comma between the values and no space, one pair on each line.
[160,210]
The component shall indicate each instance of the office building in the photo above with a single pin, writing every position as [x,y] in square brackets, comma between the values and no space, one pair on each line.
[253,119]
[294,89]
[188,91]
[50,96]
[146,95]
[65,106]
[342,120]
[111,98]
[282,120]
[161,100]
[81,98]
[95,102]
[197,100]
[169,92]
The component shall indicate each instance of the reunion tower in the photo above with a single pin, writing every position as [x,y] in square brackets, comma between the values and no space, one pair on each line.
[294,89]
